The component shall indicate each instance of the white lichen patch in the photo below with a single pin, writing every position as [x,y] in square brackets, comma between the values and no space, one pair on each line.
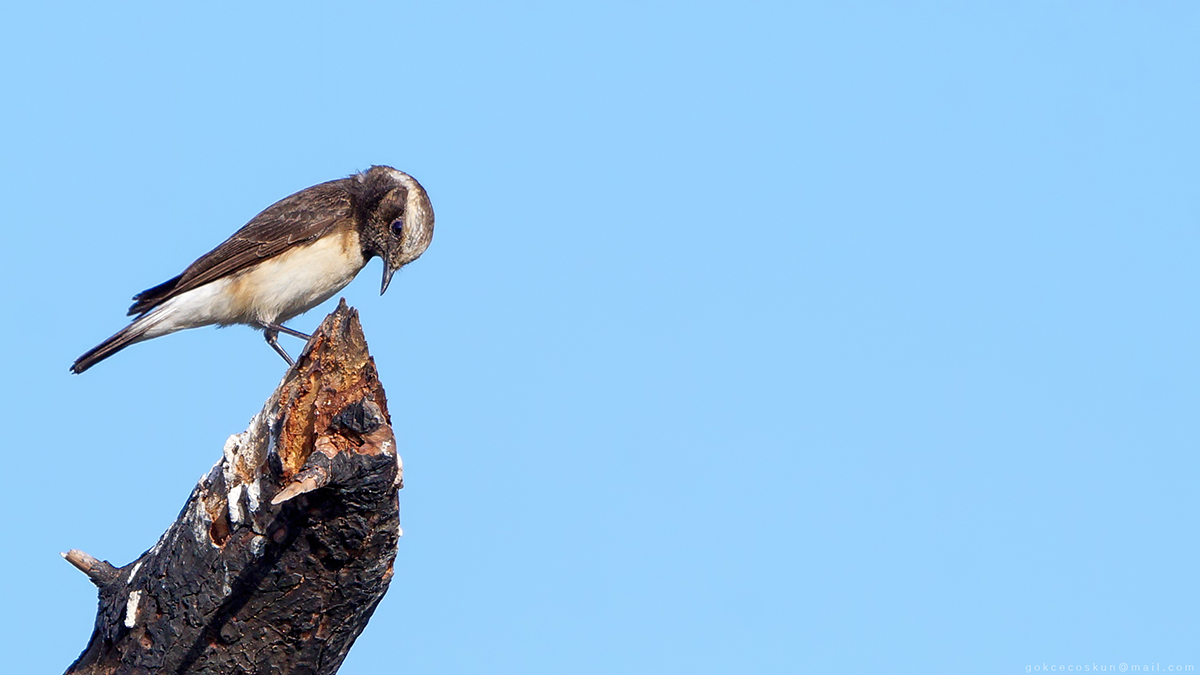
[233,444]
[208,478]
[197,517]
[254,492]
[244,453]
[235,505]
[230,452]
[131,609]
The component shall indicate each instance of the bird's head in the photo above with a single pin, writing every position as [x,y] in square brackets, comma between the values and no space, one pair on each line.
[399,218]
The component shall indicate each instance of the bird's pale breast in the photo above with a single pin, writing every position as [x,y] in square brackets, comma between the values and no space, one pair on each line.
[294,282]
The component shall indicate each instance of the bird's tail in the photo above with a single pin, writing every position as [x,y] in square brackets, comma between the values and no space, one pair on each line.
[133,333]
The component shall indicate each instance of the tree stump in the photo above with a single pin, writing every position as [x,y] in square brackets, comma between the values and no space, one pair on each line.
[284,548]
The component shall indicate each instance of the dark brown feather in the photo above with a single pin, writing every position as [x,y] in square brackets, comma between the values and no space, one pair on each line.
[131,334]
[302,217]
[151,296]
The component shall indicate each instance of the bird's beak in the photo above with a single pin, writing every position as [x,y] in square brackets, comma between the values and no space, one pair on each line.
[388,271]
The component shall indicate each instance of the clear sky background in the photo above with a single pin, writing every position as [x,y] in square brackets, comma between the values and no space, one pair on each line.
[823,337]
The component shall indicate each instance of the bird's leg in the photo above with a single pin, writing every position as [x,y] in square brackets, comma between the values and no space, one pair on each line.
[272,337]
[280,328]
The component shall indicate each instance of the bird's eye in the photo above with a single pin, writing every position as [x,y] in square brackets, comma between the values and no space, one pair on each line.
[398,227]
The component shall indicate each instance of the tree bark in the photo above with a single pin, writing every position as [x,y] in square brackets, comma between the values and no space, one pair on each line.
[284,548]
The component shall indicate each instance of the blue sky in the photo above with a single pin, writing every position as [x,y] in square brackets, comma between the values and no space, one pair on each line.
[832,337]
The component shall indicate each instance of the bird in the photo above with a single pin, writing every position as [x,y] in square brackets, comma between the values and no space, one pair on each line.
[293,256]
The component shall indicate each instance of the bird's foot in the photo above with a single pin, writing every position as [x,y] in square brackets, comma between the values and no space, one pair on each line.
[272,337]
[279,328]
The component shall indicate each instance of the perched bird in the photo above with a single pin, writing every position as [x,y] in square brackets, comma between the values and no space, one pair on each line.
[288,259]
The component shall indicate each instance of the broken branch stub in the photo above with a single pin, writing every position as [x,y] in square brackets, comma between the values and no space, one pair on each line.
[284,548]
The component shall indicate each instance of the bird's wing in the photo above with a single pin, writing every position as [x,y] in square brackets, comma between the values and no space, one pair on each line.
[304,216]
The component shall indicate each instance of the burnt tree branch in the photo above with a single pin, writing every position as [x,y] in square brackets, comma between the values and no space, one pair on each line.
[284,548]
